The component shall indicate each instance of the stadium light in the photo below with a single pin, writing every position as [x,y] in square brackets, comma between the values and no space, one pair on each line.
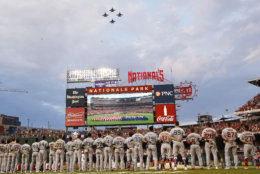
[91,75]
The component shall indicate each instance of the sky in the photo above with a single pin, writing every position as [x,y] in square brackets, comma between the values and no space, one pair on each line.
[215,44]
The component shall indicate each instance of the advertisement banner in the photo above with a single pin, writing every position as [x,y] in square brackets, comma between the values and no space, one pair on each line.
[165,113]
[103,84]
[75,97]
[122,89]
[75,117]
[164,94]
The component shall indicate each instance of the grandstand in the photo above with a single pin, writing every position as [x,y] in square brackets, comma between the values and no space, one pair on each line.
[251,109]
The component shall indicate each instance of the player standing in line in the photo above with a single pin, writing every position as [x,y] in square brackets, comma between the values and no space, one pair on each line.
[194,139]
[230,135]
[108,151]
[118,143]
[25,150]
[2,153]
[77,146]
[52,155]
[88,151]
[164,138]
[138,148]
[209,135]
[59,155]
[151,138]
[35,155]
[248,139]
[10,155]
[99,144]
[43,144]
[177,134]
[69,155]
[15,149]
[130,150]
[4,163]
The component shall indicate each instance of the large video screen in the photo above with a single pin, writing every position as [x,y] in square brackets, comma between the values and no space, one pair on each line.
[120,109]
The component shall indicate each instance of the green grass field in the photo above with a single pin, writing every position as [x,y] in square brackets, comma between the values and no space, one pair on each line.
[181,170]
[102,123]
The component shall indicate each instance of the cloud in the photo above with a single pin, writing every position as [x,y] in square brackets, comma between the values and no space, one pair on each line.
[214,43]
[59,109]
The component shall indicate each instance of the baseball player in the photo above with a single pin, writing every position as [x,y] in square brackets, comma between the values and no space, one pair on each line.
[52,155]
[230,135]
[248,139]
[15,149]
[43,144]
[130,150]
[59,147]
[25,150]
[118,144]
[4,163]
[35,155]
[151,138]
[2,153]
[69,155]
[77,146]
[138,148]
[99,144]
[10,155]
[108,151]
[164,138]
[194,139]
[177,134]
[209,135]
[88,151]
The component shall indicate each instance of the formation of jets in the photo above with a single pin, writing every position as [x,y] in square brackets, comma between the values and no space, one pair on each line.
[112,10]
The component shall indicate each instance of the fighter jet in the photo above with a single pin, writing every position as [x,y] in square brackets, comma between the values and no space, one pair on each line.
[119,14]
[112,21]
[105,15]
[112,10]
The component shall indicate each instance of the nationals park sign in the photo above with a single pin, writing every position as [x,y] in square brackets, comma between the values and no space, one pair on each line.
[154,75]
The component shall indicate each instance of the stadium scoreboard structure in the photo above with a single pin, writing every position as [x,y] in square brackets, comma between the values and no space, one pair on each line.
[122,105]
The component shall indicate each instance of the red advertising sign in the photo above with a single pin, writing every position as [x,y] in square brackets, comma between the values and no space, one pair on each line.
[165,113]
[75,117]
[155,75]
[122,89]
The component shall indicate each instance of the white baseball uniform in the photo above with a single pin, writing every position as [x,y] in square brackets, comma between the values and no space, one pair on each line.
[2,154]
[9,156]
[15,149]
[209,135]
[231,135]
[118,143]
[88,152]
[52,156]
[69,156]
[43,144]
[164,137]
[35,156]
[59,155]
[77,145]
[178,133]
[99,143]
[130,150]
[151,150]
[108,152]
[25,150]
[194,140]
[249,148]
[138,150]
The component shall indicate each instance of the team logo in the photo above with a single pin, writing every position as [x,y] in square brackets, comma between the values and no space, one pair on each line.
[186,91]
[157,93]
